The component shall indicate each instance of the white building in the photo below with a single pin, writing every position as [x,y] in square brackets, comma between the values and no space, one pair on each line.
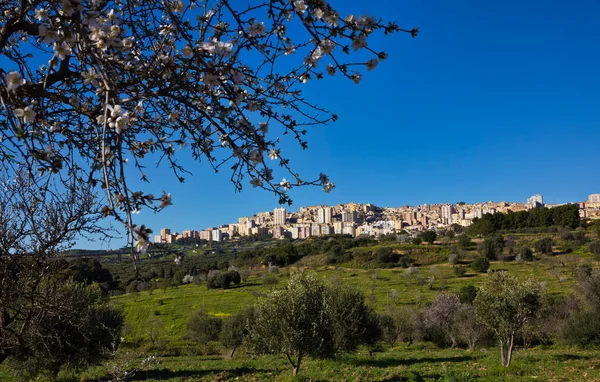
[536,201]
[280,216]
[325,215]
[217,235]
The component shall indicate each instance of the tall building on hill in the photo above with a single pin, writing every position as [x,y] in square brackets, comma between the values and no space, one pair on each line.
[348,216]
[447,211]
[280,215]
[325,215]
[536,201]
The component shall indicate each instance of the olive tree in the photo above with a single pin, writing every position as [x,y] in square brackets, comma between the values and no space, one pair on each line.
[79,330]
[37,222]
[113,86]
[310,318]
[504,304]
[295,321]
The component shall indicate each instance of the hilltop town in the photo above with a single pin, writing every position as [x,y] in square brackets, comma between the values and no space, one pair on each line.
[356,219]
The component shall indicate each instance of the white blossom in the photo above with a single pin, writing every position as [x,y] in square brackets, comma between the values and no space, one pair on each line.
[300,6]
[285,184]
[274,154]
[90,77]
[41,14]
[328,187]
[187,51]
[62,50]
[27,114]
[13,81]
[257,29]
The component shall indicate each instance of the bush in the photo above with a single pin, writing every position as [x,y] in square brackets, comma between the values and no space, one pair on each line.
[417,241]
[582,329]
[480,264]
[525,254]
[235,329]
[454,258]
[429,236]
[467,294]
[492,246]
[203,328]
[224,280]
[386,255]
[464,241]
[87,337]
[405,261]
[459,270]
[270,279]
[544,246]
[594,248]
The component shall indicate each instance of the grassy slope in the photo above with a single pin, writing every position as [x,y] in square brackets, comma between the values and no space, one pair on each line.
[174,306]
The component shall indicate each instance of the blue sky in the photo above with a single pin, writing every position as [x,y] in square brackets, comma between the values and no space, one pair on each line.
[492,101]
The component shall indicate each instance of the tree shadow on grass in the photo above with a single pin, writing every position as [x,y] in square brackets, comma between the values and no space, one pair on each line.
[392,362]
[164,374]
[570,357]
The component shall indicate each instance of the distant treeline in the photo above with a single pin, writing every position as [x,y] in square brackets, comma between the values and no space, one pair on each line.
[289,253]
[562,216]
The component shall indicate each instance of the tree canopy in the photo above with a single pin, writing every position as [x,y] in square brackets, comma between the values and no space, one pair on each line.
[103,89]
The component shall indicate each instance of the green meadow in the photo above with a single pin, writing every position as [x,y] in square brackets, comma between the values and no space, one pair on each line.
[156,325]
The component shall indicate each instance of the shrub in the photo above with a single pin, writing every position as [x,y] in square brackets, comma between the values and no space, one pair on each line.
[417,241]
[224,280]
[386,255]
[467,294]
[87,337]
[582,329]
[594,248]
[492,246]
[464,241]
[525,254]
[235,329]
[544,246]
[454,258]
[203,328]
[480,264]
[270,279]
[429,236]
[405,261]
[459,270]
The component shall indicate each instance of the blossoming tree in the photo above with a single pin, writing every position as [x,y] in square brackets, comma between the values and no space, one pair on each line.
[101,88]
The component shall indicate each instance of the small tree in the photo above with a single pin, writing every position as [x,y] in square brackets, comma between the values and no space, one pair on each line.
[504,304]
[480,264]
[235,329]
[459,270]
[467,328]
[309,318]
[594,248]
[544,246]
[429,236]
[492,247]
[80,332]
[204,328]
[440,315]
[353,320]
[295,321]
[525,254]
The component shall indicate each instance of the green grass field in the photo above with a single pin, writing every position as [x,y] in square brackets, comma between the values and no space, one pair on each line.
[167,312]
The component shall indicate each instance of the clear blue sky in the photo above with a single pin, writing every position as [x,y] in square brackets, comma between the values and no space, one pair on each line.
[492,101]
